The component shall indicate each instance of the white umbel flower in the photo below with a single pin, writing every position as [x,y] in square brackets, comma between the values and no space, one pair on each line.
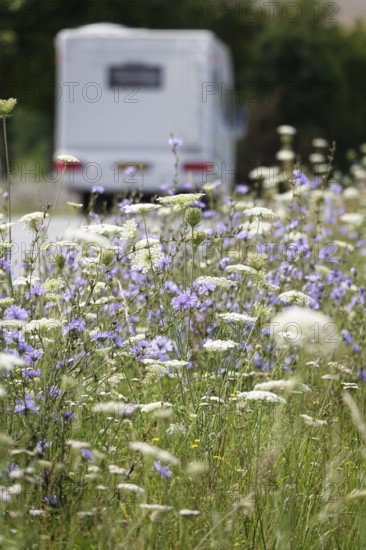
[8,361]
[33,221]
[157,405]
[320,143]
[5,226]
[114,408]
[240,268]
[140,208]
[87,237]
[343,245]
[309,421]
[284,155]
[44,324]
[354,219]
[183,200]
[186,512]
[149,450]
[286,129]
[282,385]
[146,254]
[77,445]
[124,232]
[306,328]
[7,493]
[178,428]
[68,159]
[261,395]
[261,212]
[219,345]
[130,487]
[7,105]
[294,297]
[237,318]
[117,471]
[220,282]
[351,193]
[156,507]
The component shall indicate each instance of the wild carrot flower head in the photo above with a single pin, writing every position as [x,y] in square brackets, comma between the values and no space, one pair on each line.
[219,345]
[146,254]
[6,106]
[311,330]
[33,222]
[68,159]
[183,200]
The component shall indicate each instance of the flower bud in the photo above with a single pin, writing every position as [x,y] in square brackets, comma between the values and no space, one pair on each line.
[194,216]
[198,237]
[106,256]
[256,260]
[60,261]
[7,105]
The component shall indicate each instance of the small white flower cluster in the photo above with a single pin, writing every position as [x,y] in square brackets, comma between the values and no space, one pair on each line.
[44,324]
[157,405]
[116,470]
[309,421]
[156,507]
[219,345]
[146,254]
[240,268]
[6,106]
[220,282]
[68,159]
[354,219]
[77,445]
[7,492]
[294,297]
[33,221]
[87,237]
[178,428]
[237,318]
[306,328]
[124,232]
[5,226]
[114,408]
[211,186]
[261,395]
[261,212]
[54,285]
[130,487]
[9,361]
[183,200]
[283,385]
[186,512]
[140,208]
[156,452]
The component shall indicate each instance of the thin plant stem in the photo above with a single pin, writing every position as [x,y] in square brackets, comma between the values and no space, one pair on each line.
[7,174]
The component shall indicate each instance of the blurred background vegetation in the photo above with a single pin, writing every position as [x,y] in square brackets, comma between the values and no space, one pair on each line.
[294,64]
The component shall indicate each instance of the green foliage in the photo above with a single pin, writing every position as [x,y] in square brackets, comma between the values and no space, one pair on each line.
[306,73]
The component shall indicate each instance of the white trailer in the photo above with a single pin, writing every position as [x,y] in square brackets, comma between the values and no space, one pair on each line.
[121,93]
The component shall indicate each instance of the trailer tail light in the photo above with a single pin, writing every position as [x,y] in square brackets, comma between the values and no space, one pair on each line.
[198,166]
[133,166]
[59,165]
